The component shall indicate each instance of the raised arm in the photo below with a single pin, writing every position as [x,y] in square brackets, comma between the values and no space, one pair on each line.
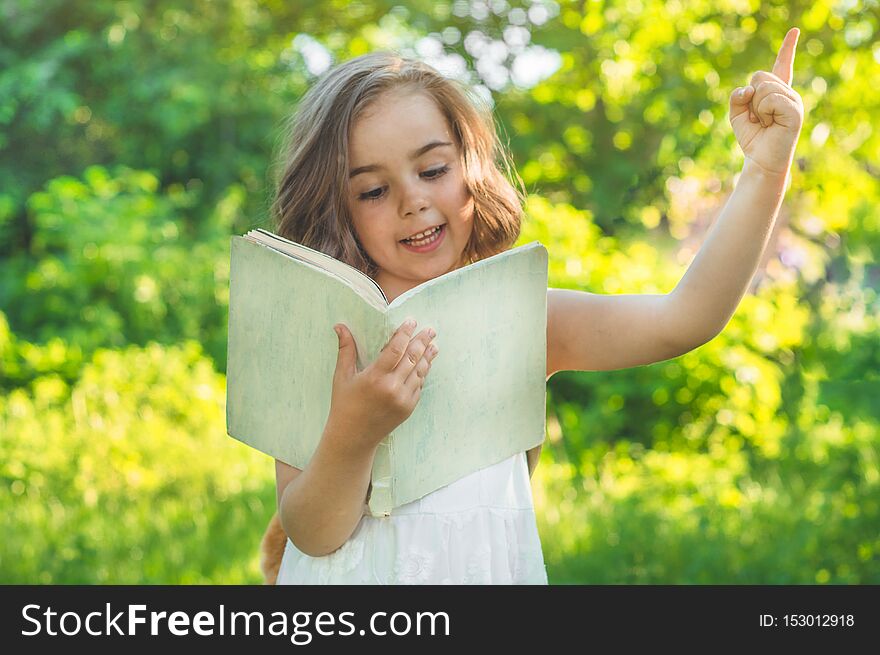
[598,332]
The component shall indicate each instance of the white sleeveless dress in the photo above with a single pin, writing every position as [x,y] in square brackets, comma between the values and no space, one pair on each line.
[480,529]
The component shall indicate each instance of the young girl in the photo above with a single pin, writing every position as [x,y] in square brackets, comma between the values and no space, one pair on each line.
[393,169]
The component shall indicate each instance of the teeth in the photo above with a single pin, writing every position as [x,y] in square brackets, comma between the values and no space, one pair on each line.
[421,235]
[433,235]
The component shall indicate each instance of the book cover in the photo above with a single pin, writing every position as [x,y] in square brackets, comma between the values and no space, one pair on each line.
[483,400]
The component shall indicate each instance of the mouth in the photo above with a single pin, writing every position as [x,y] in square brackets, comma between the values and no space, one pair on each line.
[420,238]
[426,240]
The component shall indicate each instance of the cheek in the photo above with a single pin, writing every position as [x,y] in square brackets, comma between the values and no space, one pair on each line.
[464,202]
[364,221]
[374,235]
[357,224]
[467,208]
[365,237]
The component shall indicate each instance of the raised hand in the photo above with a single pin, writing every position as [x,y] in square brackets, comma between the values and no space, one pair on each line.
[767,115]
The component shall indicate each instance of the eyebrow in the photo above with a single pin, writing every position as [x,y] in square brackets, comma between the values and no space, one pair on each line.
[415,154]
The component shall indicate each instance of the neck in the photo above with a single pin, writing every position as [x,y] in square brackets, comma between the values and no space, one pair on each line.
[393,286]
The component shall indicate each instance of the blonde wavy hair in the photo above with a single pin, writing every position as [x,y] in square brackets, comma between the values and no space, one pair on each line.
[309,204]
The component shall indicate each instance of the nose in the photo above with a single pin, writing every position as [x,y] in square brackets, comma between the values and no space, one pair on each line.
[414,200]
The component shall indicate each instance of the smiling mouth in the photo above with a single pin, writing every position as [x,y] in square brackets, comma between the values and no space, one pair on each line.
[424,236]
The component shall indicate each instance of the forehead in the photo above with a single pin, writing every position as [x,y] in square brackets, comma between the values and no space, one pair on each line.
[395,123]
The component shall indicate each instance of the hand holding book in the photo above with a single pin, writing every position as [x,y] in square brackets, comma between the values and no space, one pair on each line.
[374,401]
[288,382]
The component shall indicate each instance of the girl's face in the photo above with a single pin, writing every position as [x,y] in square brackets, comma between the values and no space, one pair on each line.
[406,179]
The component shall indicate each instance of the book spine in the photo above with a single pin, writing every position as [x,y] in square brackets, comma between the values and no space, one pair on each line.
[381,497]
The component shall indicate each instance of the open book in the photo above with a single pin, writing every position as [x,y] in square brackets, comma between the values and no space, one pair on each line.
[483,400]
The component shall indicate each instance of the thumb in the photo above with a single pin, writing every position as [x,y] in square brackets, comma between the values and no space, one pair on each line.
[347,357]
[739,100]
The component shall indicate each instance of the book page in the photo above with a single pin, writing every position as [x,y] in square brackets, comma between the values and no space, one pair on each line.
[282,349]
[363,283]
[485,396]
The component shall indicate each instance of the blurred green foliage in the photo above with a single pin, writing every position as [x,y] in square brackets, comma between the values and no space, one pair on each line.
[136,137]
[126,475]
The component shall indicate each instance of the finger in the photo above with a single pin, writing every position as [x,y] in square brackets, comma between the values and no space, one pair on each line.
[784,66]
[346,358]
[759,81]
[766,88]
[416,379]
[414,352]
[764,76]
[393,351]
[758,78]
[780,109]
[739,100]
[772,86]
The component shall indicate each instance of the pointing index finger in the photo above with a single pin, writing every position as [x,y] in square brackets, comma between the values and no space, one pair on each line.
[784,66]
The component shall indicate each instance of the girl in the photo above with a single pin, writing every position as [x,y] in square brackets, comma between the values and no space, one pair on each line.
[393,169]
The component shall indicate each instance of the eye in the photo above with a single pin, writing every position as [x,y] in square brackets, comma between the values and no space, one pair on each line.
[437,172]
[431,175]
[368,195]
